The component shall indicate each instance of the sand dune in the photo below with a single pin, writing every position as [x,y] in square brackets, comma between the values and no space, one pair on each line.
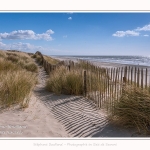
[50,115]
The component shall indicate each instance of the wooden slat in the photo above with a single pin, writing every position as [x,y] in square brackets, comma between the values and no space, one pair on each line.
[98,95]
[135,76]
[142,78]
[113,86]
[131,75]
[85,86]
[116,74]
[121,82]
[97,82]
[125,72]
[146,78]
[117,90]
[138,77]
[128,74]
[100,90]
[107,89]
[111,72]
[121,74]
[104,92]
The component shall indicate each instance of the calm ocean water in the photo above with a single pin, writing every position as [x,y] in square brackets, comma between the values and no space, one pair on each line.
[134,60]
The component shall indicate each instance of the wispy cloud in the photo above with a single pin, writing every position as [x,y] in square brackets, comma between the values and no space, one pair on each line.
[27,34]
[65,36]
[126,33]
[70,18]
[146,35]
[20,46]
[27,47]
[144,28]
[134,32]
[2,46]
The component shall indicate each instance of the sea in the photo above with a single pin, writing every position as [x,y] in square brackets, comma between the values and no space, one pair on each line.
[130,60]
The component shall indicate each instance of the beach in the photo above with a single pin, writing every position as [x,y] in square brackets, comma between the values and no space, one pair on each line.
[51,115]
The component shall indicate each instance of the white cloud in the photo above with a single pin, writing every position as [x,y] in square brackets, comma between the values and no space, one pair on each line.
[27,34]
[20,46]
[135,32]
[144,28]
[146,35]
[126,33]
[50,31]
[70,18]
[65,36]
[2,45]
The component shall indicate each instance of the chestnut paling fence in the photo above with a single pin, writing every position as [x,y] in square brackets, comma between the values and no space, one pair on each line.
[104,85]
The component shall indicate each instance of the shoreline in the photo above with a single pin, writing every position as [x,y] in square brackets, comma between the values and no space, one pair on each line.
[104,64]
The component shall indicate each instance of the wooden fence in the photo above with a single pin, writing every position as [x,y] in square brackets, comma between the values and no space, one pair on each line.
[105,85]
[109,85]
[47,66]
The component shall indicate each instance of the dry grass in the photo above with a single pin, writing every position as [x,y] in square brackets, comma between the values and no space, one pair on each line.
[22,60]
[15,87]
[51,60]
[2,54]
[133,109]
[31,67]
[63,81]
[7,65]
[17,78]
[38,58]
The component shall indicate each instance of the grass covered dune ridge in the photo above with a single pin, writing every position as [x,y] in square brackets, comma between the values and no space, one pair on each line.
[18,74]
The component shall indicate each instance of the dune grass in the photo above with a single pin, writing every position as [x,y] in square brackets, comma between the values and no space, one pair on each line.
[15,87]
[17,78]
[51,60]
[63,81]
[2,54]
[38,58]
[22,60]
[7,65]
[133,109]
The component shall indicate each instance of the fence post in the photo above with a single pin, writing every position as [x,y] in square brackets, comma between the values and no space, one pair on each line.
[131,75]
[146,79]
[142,78]
[138,77]
[125,72]
[124,80]
[124,84]
[85,88]
[69,67]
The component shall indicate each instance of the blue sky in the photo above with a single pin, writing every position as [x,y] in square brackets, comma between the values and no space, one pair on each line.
[77,33]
